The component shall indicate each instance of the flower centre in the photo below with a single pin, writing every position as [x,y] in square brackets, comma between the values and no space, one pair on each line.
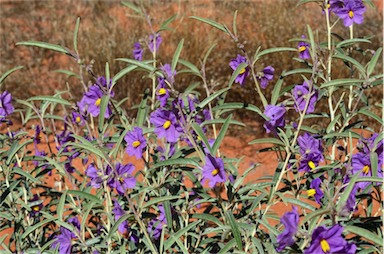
[36,208]
[162,91]
[121,179]
[302,48]
[325,246]
[242,71]
[311,164]
[97,102]
[167,124]
[366,169]
[311,192]
[136,143]
[78,119]
[328,6]
[351,14]
[215,172]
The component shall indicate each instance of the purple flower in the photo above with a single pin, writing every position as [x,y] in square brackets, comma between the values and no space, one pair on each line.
[155,226]
[303,49]
[213,171]
[138,52]
[309,162]
[265,76]
[123,179]
[244,72]
[310,145]
[136,142]
[77,118]
[167,153]
[169,75]
[166,125]
[91,102]
[95,175]
[162,93]
[367,145]
[351,12]
[315,190]
[66,236]
[36,205]
[290,221]
[301,94]
[361,162]
[336,5]
[152,42]
[6,107]
[326,240]
[118,211]
[276,116]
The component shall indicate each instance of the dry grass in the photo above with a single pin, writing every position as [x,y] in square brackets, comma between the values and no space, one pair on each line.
[108,31]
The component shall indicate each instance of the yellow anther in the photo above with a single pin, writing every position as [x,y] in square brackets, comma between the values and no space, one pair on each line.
[311,164]
[351,14]
[242,71]
[97,102]
[162,91]
[167,124]
[36,208]
[215,172]
[311,192]
[366,169]
[78,119]
[302,48]
[325,246]
[136,143]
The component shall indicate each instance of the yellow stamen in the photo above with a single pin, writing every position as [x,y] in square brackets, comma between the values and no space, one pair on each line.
[351,14]
[325,246]
[311,164]
[242,71]
[162,91]
[366,169]
[167,124]
[136,143]
[215,172]
[121,179]
[97,102]
[78,119]
[302,48]
[328,6]
[36,208]
[311,192]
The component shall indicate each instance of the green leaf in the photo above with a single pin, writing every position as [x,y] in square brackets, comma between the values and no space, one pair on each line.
[32,228]
[211,23]
[143,65]
[239,105]
[299,202]
[75,34]
[267,140]
[159,200]
[164,25]
[103,108]
[341,82]
[227,247]
[371,64]
[117,224]
[132,7]
[221,135]
[369,235]
[297,71]
[208,217]
[312,50]
[191,66]
[273,50]
[315,214]
[202,136]
[345,195]
[68,73]
[276,91]
[46,98]
[85,195]
[370,114]
[124,72]
[14,149]
[25,174]
[8,190]
[208,53]
[358,65]
[174,162]
[44,45]
[235,229]
[6,74]
[176,56]
[350,42]
[142,113]
[331,125]
[174,236]
[60,206]
[212,97]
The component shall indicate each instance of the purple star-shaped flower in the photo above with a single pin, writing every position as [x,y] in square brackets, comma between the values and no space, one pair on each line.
[315,190]
[155,226]
[118,211]
[136,142]
[213,171]
[122,178]
[6,107]
[309,145]
[309,162]
[138,51]
[265,76]
[290,220]
[36,205]
[152,42]
[276,116]
[361,162]
[91,102]
[327,240]
[243,73]
[77,118]
[64,239]
[166,125]
[303,48]
[301,94]
[351,12]
[162,93]
[169,75]
[95,175]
